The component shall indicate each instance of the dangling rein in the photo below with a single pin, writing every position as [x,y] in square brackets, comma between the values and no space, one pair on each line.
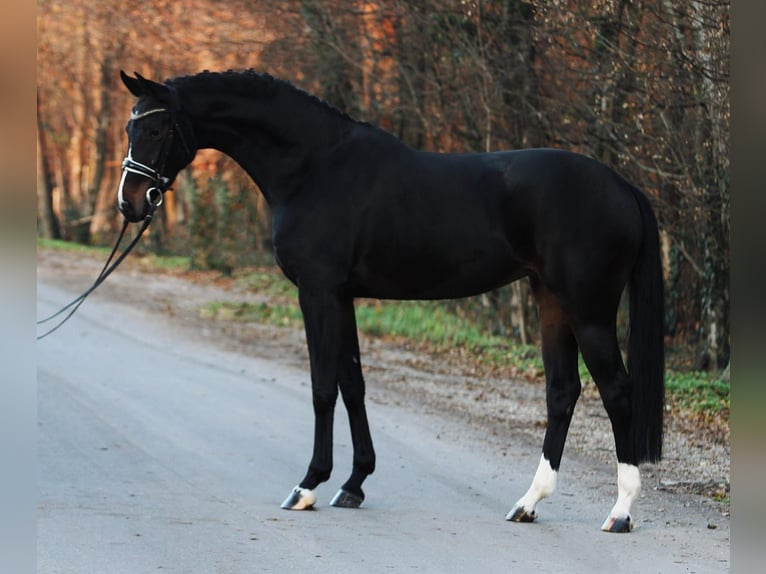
[155,200]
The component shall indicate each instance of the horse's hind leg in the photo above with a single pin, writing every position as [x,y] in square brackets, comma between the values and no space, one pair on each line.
[562,391]
[598,344]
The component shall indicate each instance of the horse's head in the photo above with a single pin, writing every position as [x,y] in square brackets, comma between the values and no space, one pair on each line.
[160,144]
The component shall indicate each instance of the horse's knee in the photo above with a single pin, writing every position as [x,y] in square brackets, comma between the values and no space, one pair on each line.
[353,397]
[324,401]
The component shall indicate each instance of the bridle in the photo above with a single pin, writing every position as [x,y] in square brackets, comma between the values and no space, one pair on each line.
[154,198]
[161,183]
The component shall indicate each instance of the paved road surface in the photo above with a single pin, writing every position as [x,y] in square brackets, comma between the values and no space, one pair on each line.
[157,454]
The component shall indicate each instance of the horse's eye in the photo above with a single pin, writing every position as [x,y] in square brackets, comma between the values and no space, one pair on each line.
[154,134]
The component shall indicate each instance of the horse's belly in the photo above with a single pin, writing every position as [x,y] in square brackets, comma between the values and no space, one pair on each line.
[431,274]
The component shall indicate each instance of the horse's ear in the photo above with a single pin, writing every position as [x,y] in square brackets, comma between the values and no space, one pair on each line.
[140,86]
[133,85]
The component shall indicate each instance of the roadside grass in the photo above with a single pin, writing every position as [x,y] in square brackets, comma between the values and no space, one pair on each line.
[698,391]
[61,245]
[428,322]
[169,263]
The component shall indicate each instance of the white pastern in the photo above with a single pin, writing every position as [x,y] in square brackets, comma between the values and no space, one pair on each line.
[543,485]
[300,499]
[628,489]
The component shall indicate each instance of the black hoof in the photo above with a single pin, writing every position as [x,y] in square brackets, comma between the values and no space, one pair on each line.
[617,524]
[300,499]
[345,499]
[519,514]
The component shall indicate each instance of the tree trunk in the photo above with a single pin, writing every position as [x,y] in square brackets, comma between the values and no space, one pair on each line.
[97,202]
[47,223]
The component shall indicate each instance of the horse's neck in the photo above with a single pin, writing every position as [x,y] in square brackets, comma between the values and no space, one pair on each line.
[269,141]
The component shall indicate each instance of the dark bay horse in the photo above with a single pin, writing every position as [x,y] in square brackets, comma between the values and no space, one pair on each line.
[356,213]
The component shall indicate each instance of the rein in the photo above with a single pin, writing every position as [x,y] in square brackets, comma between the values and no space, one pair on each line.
[154,202]
[154,198]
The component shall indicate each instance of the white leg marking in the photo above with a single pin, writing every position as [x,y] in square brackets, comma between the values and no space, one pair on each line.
[300,499]
[543,485]
[628,489]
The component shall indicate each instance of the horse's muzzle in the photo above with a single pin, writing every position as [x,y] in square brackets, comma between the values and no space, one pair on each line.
[153,198]
[149,198]
[127,210]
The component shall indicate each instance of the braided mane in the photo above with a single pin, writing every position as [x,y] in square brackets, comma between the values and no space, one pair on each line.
[253,84]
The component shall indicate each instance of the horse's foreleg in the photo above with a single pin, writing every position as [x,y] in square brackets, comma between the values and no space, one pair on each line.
[322,318]
[602,356]
[352,389]
[351,494]
[303,496]
[562,392]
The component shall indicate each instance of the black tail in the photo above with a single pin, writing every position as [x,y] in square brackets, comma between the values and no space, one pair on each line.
[646,347]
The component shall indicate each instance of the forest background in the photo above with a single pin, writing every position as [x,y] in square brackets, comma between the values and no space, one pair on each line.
[641,85]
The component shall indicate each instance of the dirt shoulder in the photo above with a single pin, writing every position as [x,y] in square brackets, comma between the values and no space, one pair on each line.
[696,451]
